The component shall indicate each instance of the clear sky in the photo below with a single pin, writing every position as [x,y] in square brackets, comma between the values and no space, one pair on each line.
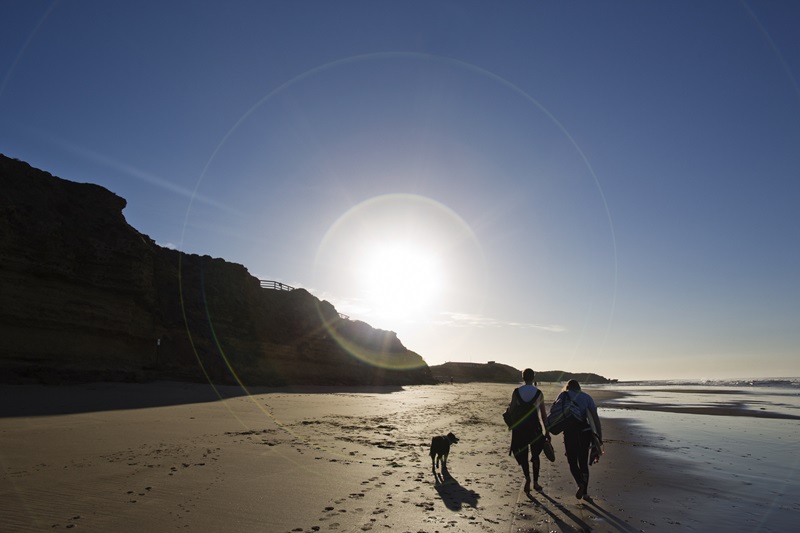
[611,187]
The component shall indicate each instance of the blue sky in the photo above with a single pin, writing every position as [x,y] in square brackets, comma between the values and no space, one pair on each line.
[607,187]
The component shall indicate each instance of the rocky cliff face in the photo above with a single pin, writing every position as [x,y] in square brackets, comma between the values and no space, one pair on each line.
[83,295]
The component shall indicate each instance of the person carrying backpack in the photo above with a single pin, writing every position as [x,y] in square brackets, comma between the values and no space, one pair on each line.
[527,433]
[578,435]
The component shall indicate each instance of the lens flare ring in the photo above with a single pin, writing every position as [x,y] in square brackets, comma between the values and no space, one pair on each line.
[365,58]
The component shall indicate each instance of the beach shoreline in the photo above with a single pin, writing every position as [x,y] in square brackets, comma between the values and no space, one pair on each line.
[129,457]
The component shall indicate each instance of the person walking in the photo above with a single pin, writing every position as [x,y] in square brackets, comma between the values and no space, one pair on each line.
[578,434]
[526,434]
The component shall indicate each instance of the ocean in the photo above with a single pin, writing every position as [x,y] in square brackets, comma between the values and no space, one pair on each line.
[741,437]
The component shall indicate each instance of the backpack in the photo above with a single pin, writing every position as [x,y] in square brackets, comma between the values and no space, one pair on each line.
[518,411]
[560,413]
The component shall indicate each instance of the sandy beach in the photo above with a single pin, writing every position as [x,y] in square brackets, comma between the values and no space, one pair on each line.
[167,456]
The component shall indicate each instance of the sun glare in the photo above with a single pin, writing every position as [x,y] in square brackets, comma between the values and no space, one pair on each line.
[398,261]
[400,280]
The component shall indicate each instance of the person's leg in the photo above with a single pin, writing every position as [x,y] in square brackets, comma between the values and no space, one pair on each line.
[583,459]
[522,460]
[536,451]
[519,448]
[571,447]
[536,464]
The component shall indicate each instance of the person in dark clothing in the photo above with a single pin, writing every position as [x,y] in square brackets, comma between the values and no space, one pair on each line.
[527,434]
[578,435]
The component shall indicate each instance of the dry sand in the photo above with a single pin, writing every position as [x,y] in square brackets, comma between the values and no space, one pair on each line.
[167,456]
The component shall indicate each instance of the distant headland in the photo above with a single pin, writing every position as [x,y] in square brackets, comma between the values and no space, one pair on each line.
[493,372]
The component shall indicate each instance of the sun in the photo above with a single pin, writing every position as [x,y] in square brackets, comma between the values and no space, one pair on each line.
[400,262]
[399,280]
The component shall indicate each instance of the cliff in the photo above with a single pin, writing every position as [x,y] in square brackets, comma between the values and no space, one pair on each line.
[84,296]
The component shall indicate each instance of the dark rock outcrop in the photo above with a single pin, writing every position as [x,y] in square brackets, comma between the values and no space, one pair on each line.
[84,296]
[476,372]
[499,373]
[585,378]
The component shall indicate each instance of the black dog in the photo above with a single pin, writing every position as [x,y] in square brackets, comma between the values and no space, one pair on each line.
[440,449]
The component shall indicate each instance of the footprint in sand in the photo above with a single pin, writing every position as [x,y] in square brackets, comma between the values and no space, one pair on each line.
[146,490]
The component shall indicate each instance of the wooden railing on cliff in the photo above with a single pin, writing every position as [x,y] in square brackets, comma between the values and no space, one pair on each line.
[275,285]
[278,286]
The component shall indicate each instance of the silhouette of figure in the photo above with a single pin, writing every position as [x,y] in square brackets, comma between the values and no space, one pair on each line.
[527,434]
[578,435]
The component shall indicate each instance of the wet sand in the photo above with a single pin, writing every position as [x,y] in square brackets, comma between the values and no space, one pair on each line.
[168,456]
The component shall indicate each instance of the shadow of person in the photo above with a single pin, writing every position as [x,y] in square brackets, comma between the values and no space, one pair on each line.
[581,525]
[453,495]
[613,520]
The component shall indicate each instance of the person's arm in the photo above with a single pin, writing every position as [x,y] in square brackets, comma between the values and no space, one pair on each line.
[543,412]
[596,419]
